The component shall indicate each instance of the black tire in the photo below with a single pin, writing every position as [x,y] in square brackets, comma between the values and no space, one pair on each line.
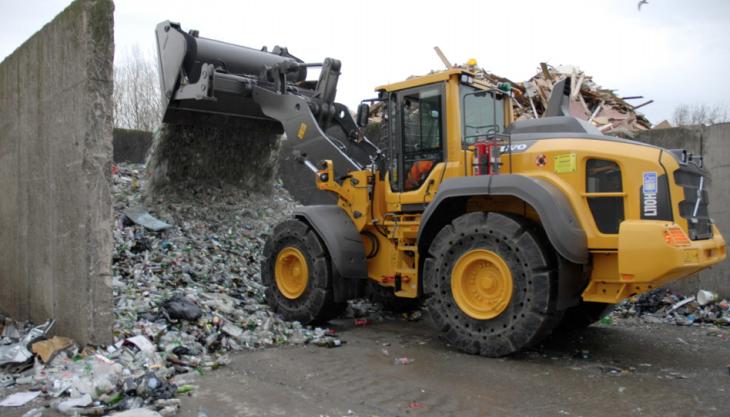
[316,303]
[385,297]
[531,313]
[583,315]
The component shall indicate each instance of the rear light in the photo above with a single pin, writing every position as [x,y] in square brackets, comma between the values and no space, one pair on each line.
[675,236]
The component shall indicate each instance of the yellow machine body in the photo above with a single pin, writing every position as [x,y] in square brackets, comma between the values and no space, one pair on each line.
[642,254]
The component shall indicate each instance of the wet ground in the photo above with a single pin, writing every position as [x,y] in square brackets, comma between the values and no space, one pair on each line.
[629,368]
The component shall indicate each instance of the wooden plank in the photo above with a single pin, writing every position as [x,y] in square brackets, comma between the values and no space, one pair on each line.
[583,102]
[643,104]
[545,71]
[578,84]
[595,112]
[532,104]
[442,57]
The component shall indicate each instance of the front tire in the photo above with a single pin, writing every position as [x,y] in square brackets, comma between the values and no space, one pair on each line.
[491,282]
[298,274]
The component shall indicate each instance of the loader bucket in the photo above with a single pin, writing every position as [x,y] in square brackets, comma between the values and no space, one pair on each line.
[182,57]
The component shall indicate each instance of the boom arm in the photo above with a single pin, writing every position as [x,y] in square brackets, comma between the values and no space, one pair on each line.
[208,76]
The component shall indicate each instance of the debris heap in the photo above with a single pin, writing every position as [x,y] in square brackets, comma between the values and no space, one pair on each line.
[186,290]
[589,101]
[667,306]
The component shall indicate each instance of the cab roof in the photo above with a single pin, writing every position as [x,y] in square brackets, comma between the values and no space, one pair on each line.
[423,80]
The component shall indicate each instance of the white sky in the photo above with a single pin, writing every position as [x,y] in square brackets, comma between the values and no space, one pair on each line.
[672,51]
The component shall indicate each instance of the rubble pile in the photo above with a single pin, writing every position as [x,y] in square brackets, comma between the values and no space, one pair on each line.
[589,101]
[186,291]
[667,306]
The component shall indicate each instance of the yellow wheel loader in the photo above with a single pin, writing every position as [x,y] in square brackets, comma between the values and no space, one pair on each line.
[503,229]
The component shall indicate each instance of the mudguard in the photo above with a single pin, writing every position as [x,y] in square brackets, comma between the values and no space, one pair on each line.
[343,243]
[558,219]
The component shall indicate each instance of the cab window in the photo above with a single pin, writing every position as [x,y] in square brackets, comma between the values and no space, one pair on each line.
[482,114]
[421,121]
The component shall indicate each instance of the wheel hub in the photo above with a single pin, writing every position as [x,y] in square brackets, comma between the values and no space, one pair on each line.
[481,283]
[291,273]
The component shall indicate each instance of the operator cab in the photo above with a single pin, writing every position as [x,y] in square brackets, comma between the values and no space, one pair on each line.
[418,125]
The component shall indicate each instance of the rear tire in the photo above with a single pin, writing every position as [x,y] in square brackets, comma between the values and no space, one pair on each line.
[298,274]
[503,295]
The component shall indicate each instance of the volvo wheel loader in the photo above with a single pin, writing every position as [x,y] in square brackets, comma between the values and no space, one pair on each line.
[504,229]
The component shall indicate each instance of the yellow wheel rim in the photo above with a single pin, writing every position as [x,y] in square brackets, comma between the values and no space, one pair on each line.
[291,273]
[481,283]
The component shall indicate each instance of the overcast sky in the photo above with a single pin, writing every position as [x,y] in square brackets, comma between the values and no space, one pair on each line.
[672,51]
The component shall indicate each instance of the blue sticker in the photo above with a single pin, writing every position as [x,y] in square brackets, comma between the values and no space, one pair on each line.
[650,182]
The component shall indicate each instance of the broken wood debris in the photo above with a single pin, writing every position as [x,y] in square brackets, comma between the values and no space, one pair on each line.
[589,101]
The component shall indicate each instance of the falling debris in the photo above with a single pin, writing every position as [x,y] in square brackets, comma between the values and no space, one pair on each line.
[214,150]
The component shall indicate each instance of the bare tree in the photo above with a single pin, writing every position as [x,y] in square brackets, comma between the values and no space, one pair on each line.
[137,99]
[699,114]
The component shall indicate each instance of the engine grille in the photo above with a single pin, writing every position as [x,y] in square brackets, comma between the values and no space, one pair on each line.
[696,183]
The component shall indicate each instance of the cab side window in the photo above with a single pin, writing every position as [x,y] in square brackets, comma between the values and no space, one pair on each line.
[421,116]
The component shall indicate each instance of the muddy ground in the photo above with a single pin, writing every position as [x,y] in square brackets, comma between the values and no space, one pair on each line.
[626,369]
[629,368]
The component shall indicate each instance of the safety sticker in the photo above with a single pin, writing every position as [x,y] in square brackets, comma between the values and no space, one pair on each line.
[302,130]
[650,182]
[565,163]
[541,160]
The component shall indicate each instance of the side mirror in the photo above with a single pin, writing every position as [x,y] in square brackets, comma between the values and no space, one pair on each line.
[363,114]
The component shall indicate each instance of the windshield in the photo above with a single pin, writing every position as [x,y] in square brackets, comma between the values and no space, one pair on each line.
[482,114]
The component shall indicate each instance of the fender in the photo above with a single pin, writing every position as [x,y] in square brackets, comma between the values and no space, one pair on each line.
[558,219]
[344,244]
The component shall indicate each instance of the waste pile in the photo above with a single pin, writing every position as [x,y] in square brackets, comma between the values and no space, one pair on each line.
[667,306]
[186,289]
[589,101]
[214,149]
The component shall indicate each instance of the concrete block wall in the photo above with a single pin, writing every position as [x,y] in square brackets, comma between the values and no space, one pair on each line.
[55,174]
[714,143]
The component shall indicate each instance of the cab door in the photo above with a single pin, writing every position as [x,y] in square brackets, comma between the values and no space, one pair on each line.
[417,133]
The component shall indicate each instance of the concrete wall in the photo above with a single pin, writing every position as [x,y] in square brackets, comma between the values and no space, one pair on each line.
[131,145]
[714,143]
[55,173]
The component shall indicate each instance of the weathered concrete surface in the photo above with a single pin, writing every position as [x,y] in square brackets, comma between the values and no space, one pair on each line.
[131,145]
[55,174]
[714,143]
